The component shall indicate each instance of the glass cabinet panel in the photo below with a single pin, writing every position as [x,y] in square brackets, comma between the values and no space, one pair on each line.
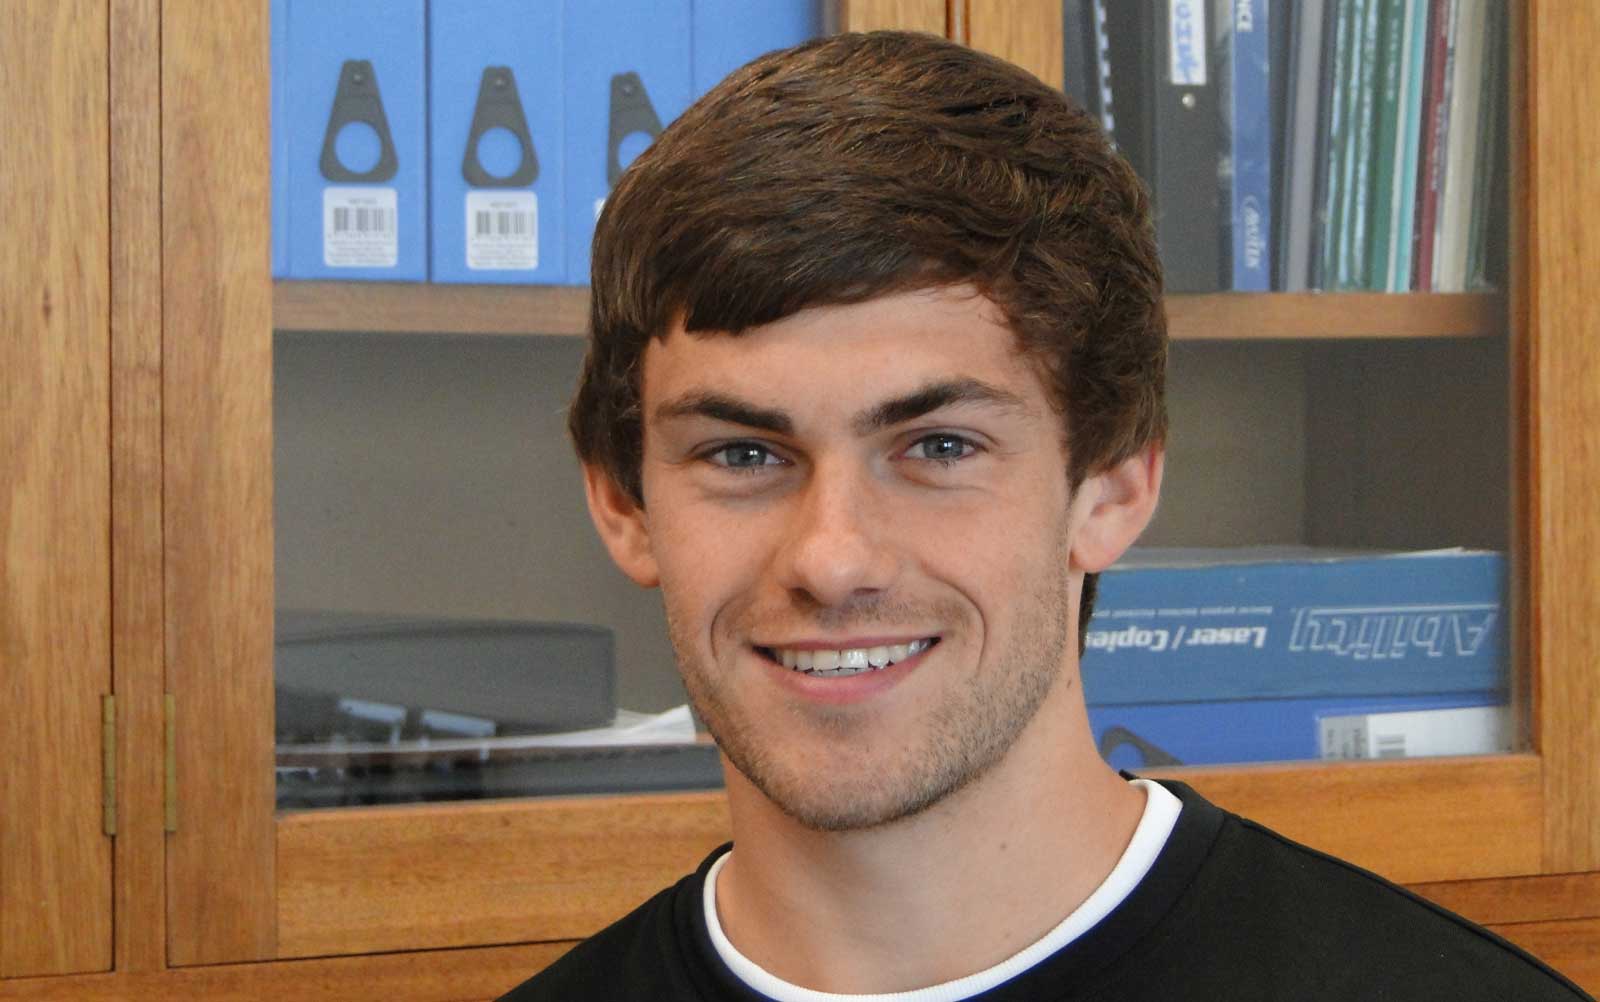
[448,626]
[1326,576]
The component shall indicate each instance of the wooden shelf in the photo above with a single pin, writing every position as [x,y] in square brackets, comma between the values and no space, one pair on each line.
[400,307]
[394,307]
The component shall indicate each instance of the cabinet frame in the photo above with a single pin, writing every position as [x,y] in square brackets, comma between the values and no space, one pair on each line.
[1512,840]
[362,880]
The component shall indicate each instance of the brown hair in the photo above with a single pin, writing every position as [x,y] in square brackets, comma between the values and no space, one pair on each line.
[863,164]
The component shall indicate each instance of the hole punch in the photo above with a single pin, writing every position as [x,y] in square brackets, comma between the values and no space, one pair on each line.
[499,107]
[358,100]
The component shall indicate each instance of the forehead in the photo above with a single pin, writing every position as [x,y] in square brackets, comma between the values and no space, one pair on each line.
[852,353]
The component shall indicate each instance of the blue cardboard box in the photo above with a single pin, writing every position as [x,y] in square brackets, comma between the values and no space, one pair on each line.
[1285,730]
[354,106]
[627,77]
[279,54]
[495,106]
[730,33]
[1209,626]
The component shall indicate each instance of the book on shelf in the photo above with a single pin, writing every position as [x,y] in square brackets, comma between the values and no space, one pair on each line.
[1164,81]
[1350,145]
[1386,167]
[1407,175]
[1245,80]
[1461,163]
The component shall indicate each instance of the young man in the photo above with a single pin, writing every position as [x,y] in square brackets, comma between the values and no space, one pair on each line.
[875,389]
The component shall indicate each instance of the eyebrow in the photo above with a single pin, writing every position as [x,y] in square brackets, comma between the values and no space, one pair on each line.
[898,410]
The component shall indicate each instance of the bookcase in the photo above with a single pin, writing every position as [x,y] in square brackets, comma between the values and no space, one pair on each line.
[139,555]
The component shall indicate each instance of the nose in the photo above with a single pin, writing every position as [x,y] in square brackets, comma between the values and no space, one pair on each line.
[837,540]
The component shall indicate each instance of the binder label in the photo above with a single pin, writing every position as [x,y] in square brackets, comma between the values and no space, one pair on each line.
[360,227]
[1186,42]
[502,230]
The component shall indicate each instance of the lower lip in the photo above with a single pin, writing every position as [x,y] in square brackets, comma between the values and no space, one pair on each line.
[842,690]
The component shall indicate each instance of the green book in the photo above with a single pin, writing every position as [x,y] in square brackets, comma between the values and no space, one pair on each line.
[1386,141]
[1487,229]
[1352,264]
[1408,170]
[1338,83]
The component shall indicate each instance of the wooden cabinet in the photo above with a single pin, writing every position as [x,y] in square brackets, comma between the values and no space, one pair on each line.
[136,418]
[55,429]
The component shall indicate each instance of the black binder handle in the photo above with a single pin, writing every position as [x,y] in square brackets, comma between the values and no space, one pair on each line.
[631,111]
[499,107]
[358,100]
[1149,754]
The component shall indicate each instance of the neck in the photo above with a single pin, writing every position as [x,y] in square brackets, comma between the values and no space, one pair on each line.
[938,896]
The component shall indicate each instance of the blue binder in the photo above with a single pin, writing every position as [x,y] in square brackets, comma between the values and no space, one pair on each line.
[1196,628]
[627,77]
[730,33]
[354,114]
[1261,730]
[495,109]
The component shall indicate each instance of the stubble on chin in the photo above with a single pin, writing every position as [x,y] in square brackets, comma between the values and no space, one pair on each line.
[831,770]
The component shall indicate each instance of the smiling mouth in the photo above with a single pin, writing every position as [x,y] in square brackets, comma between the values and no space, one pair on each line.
[844,661]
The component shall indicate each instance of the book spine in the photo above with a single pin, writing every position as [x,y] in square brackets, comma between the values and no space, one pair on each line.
[1435,131]
[1385,165]
[1413,77]
[1461,162]
[1250,205]
[1336,91]
[1358,165]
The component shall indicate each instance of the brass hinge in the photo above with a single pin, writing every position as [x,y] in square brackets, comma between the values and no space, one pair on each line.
[108,758]
[172,763]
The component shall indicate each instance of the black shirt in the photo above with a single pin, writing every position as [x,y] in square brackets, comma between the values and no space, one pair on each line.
[1229,910]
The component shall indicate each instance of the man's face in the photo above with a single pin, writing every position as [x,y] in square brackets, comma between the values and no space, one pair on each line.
[859,519]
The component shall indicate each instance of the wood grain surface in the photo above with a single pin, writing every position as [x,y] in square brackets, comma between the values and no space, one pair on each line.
[428,976]
[217,411]
[911,15]
[1025,32]
[1557,279]
[396,307]
[1412,821]
[401,878]
[136,531]
[55,560]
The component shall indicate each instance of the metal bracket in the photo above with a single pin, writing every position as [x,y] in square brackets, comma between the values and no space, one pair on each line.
[172,764]
[358,100]
[108,753]
[499,107]
[631,111]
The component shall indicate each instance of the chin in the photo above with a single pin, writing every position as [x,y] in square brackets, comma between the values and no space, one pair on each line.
[864,794]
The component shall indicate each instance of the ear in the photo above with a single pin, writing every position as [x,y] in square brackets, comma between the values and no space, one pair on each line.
[622,525]
[1116,505]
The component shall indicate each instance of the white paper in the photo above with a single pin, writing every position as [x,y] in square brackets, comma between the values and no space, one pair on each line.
[360,227]
[502,230]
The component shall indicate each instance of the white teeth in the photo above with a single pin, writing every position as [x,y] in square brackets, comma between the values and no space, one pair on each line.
[847,661]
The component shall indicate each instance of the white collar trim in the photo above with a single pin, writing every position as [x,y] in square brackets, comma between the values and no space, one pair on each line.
[1161,810]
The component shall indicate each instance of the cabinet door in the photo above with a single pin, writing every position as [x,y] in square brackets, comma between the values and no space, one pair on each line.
[55,595]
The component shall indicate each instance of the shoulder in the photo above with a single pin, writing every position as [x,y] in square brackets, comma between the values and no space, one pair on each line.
[1263,901]
[640,956]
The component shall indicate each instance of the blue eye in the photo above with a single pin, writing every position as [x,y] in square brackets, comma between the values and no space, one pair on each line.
[742,456]
[942,448]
